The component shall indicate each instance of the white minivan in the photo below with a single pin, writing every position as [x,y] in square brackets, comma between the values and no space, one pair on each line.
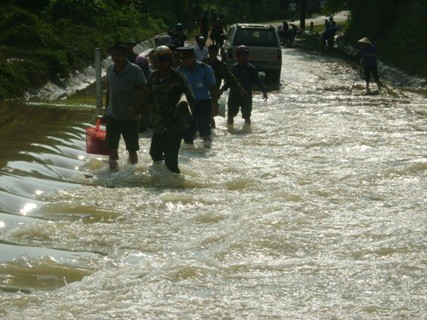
[264,48]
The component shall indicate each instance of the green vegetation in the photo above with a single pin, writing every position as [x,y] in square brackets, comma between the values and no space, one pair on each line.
[47,39]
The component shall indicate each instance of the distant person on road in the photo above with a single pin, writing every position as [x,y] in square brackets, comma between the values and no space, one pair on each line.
[179,37]
[204,24]
[200,49]
[369,63]
[310,8]
[322,5]
[124,81]
[292,33]
[330,22]
[247,75]
[328,37]
[218,28]
[283,32]
[292,9]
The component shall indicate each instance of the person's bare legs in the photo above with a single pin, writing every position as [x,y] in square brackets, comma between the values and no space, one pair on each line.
[113,160]
[133,157]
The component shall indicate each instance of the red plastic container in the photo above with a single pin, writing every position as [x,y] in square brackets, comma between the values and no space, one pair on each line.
[95,140]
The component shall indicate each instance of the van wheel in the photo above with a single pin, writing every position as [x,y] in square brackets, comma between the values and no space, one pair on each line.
[273,77]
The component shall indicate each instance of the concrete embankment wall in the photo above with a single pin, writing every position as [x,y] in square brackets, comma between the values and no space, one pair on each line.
[80,80]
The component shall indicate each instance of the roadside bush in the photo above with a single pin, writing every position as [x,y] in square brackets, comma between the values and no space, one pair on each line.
[79,11]
[12,17]
[23,37]
[56,62]
[12,82]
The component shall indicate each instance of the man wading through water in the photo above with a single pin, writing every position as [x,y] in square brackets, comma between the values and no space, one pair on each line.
[125,81]
[221,72]
[201,78]
[162,93]
[247,75]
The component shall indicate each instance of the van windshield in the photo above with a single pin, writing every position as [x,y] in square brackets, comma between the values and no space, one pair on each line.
[256,38]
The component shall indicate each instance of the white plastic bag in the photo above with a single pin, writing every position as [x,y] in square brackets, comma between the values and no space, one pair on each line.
[222,101]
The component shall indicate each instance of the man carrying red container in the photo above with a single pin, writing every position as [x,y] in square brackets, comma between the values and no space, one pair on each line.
[125,81]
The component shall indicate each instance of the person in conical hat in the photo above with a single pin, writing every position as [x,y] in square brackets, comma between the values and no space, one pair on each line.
[365,40]
[369,62]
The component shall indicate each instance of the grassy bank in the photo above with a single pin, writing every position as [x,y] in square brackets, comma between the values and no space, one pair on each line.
[46,40]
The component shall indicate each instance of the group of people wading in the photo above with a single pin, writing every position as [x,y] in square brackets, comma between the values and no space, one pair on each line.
[174,91]
[175,95]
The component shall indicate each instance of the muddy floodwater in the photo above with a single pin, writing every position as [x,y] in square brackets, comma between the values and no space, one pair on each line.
[318,211]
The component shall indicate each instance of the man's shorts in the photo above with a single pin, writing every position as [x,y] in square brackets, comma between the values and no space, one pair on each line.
[234,103]
[128,129]
[368,70]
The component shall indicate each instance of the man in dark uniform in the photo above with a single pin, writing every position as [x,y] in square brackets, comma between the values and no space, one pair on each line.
[204,24]
[247,75]
[164,89]
[218,27]
[179,37]
[221,72]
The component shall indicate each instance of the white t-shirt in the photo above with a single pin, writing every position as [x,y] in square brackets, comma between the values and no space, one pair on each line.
[201,54]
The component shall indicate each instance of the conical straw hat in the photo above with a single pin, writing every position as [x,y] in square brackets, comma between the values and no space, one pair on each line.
[365,40]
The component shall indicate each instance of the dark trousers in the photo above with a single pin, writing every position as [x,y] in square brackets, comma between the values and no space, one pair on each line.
[371,69]
[127,129]
[166,147]
[202,121]
[244,103]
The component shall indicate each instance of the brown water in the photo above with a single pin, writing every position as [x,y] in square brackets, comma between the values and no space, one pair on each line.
[316,212]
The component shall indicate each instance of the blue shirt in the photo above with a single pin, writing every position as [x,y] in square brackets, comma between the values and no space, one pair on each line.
[200,78]
[123,88]
[369,61]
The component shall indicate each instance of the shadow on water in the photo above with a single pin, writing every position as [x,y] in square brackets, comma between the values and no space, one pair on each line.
[42,158]
[41,149]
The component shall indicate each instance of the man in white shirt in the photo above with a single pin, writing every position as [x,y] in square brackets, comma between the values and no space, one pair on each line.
[292,9]
[200,50]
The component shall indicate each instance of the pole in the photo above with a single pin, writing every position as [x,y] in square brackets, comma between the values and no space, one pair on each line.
[355,78]
[98,78]
[302,14]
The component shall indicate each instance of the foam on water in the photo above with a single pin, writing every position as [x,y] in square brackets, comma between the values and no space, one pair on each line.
[316,212]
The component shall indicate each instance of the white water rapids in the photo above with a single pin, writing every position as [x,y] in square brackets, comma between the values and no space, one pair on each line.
[317,212]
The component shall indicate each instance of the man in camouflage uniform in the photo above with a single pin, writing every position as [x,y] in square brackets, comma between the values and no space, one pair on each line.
[164,89]
[221,72]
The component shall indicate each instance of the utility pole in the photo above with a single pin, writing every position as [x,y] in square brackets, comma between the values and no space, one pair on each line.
[98,75]
[303,7]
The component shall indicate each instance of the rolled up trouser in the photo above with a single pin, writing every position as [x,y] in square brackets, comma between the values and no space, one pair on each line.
[202,121]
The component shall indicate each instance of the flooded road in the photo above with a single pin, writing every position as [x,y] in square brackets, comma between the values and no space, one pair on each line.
[316,212]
